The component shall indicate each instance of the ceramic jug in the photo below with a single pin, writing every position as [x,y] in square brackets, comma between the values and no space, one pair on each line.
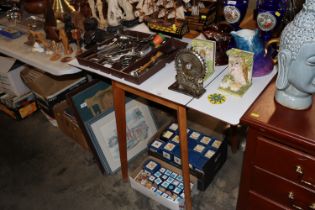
[249,40]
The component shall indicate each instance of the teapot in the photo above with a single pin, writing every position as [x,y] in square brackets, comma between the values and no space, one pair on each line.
[249,40]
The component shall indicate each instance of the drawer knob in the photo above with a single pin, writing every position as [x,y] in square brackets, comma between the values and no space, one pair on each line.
[299,170]
[291,197]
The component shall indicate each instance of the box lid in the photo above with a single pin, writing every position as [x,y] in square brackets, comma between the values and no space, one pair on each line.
[6,64]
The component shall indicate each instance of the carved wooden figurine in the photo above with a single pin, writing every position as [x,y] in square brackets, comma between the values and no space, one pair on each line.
[65,42]
[76,35]
[102,23]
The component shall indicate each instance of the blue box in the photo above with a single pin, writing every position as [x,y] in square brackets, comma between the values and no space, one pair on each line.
[158,181]
[173,127]
[164,177]
[206,140]
[152,178]
[165,184]
[195,135]
[179,178]
[173,175]
[200,149]
[162,170]
[151,166]
[178,190]
[204,159]
[157,174]
[216,144]
[168,172]
[193,158]
[170,179]
[168,151]
[191,144]
[177,157]
[201,164]
[175,139]
[176,182]
[167,135]
[156,146]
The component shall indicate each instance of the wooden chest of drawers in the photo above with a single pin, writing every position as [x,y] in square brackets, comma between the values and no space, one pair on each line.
[279,163]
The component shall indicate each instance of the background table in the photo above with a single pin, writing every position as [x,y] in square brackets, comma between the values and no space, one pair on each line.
[17,49]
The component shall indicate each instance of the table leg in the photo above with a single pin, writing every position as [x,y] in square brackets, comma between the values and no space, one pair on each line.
[182,122]
[120,114]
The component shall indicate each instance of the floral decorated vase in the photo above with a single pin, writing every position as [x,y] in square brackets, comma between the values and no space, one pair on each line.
[269,16]
[234,11]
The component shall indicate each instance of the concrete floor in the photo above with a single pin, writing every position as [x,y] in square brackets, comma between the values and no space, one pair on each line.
[41,168]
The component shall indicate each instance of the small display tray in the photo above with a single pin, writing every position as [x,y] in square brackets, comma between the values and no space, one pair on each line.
[151,62]
[178,204]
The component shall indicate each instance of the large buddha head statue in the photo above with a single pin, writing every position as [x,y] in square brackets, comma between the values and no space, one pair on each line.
[296,59]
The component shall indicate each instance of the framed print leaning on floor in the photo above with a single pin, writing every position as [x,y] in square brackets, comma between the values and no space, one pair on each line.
[140,127]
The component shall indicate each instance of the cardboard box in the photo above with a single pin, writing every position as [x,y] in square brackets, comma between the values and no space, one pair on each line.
[68,124]
[18,107]
[49,89]
[159,197]
[10,80]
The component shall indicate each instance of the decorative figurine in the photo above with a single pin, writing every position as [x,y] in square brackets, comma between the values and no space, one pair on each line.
[39,38]
[69,26]
[56,51]
[191,71]
[249,40]
[65,42]
[114,13]
[92,33]
[239,77]
[129,18]
[50,25]
[76,34]
[296,77]
[98,15]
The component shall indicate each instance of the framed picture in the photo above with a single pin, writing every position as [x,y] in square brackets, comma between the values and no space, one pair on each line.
[92,100]
[140,128]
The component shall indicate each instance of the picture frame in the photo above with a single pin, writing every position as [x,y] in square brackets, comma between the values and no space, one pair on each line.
[77,101]
[87,100]
[240,68]
[206,49]
[140,128]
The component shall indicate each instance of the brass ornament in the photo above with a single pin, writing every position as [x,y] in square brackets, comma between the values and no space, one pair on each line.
[60,7]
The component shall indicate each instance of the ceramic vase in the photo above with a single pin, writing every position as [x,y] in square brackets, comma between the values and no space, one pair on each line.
[269,16]
[234,11]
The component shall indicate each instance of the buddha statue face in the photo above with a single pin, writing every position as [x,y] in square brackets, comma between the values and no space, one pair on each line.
[301,71]
[296,77]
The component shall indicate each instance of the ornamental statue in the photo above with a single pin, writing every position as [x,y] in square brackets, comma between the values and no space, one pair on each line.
[296,59]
